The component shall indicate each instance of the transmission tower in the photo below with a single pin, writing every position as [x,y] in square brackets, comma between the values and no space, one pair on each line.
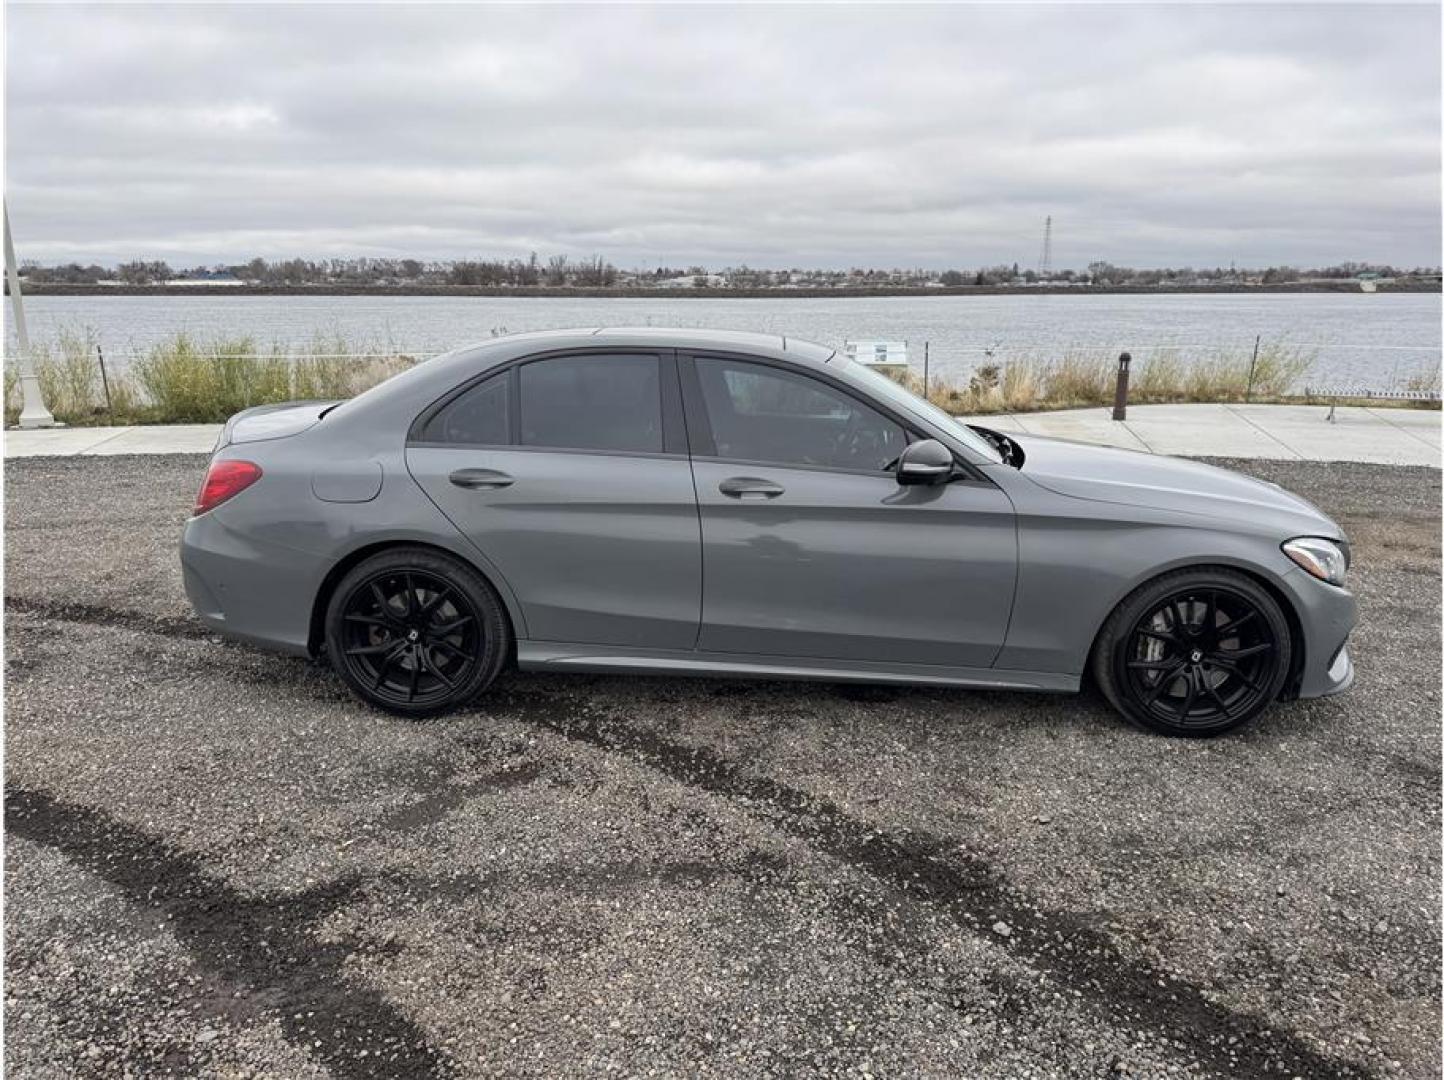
[1045,263]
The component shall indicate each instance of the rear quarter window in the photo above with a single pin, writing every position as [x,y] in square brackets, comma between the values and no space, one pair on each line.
[481,416]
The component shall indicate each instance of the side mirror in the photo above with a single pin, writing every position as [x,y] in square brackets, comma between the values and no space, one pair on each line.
[926,461]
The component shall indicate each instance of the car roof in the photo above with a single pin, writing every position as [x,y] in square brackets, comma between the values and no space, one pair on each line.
[732,340]
[671,337]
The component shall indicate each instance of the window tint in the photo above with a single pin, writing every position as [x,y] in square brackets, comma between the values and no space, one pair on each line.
[593,403]
[481,415]
[761,413]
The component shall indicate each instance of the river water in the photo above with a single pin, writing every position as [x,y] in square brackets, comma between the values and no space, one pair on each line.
[1374,340]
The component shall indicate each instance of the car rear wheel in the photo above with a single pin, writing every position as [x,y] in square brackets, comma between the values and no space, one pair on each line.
[1194,653]
[416,632]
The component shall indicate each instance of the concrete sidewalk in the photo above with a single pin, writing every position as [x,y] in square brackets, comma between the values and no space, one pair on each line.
[1280,432]
[110,441]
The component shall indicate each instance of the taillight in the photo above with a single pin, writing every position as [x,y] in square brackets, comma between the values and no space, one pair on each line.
[224,479]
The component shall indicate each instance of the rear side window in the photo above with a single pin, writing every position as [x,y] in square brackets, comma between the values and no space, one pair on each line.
[762,413]
[481,416]
[593,402]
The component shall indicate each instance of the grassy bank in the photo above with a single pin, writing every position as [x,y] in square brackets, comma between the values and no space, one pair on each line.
[189,380]
[1024,382]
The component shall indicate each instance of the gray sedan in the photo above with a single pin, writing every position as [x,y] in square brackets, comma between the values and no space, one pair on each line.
[727,504]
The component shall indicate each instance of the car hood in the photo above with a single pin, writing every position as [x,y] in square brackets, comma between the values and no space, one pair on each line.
[1135,478]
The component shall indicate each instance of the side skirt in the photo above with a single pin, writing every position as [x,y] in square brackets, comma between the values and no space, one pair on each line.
[557,656]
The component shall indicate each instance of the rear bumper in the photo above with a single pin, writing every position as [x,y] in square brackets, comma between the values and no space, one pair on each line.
[255,592]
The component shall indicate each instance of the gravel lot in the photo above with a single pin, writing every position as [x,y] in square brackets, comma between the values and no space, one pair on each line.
[219,864]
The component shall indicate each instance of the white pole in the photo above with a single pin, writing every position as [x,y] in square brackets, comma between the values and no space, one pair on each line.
[33,414]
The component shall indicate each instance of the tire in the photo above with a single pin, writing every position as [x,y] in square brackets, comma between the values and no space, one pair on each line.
[1194,653]
[416,632]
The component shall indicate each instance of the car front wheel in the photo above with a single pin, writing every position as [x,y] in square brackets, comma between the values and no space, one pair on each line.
[416,632]
[1194,653]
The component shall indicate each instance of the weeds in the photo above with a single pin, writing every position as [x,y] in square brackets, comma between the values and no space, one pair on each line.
[1025,382]
[1425,382]
[12,396]
[188,380]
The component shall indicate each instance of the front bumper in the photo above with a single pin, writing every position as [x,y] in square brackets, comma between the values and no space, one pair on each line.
[1327,615]
[1340,674]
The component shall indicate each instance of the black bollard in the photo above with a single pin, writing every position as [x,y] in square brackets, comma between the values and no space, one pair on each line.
[1120,391]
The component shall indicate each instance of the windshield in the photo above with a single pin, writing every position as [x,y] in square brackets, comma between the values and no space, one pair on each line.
[899,395]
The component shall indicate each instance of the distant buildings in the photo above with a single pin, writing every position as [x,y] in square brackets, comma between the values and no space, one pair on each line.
[205,278]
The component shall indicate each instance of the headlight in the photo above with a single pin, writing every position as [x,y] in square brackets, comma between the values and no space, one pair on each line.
[1325,559]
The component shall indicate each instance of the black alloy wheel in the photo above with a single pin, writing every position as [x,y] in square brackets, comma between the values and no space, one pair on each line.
[416,632]
[1195,653]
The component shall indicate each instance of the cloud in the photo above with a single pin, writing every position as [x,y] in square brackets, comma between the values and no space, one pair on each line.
[782,136]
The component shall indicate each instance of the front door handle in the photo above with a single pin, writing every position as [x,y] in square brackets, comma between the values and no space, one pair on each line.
[481,479]
[749,487]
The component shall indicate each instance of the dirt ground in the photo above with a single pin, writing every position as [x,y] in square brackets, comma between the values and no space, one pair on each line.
[218,863]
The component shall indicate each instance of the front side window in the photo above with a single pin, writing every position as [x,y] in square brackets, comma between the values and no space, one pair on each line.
[762,413]
[593,402]
[479,417]
[900,397]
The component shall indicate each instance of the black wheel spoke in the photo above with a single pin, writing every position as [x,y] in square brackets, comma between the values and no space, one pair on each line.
[1191,678]
[449,647]
[371,650]
[1237,673]
[381,601]
[448,628]
[1246,651]
[369,620]
[1229,627]
[1180,617]
[1159,636]
[1168,664]
[434,669]
[435,602]
[385,666]
[1213,693]
[1164,682]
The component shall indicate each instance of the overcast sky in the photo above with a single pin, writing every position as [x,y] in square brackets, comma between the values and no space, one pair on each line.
[782,136]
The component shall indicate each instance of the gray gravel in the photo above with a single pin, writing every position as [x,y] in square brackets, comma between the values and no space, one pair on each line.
[219,864]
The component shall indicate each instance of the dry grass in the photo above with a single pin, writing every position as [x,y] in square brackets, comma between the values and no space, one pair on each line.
[189,380]
[1027,382]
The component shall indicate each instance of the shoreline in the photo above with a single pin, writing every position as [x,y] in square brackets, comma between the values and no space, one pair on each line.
[628,293]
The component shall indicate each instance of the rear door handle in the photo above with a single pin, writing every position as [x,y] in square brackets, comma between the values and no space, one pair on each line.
[481,479]
[749,487]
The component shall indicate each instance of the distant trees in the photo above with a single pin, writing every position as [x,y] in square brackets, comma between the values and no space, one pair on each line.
[597,272]
[1105,273]
[68,274]
[529,272]
[143,273]
[556,271]
[997,275]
